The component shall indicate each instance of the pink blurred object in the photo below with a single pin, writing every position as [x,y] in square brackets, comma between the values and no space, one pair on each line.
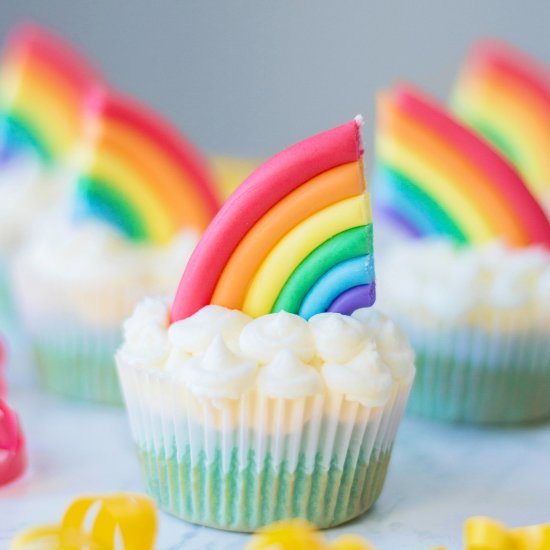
[13,455]
[3,390]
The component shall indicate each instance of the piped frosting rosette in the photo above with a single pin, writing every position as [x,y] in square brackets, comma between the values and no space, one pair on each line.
[270,389]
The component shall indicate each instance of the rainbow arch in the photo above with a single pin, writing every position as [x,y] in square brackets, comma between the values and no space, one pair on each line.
[143,177]
[505,95]
[295,236]
[49,94]
[442,179]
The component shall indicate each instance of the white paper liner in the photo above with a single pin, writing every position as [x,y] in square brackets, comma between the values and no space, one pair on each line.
[497,372]
[74,354]
[297,436]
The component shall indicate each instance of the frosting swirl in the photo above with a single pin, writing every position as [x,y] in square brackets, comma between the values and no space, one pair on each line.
[365,378]
[391,342]
[221,353]
[219,373]
[447,283]
[265,336]
[145,337]
[338,337]
[88,270]
[195,334]
[288,377]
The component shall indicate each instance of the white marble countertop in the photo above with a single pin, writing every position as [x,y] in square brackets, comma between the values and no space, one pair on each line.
[439,475]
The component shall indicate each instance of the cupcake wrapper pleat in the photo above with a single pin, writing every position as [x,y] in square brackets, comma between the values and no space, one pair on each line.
[498,374]
[243,464]
[77,361]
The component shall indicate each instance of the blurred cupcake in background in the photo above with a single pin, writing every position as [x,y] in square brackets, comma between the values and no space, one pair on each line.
[142,196]
[48,95]
[258,396]
[470,281]
[504,94]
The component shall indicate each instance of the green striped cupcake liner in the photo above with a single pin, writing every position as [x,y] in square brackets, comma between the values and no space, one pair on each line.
[245,498]
[239,465]
[494,375]
[77,361]
[7,308]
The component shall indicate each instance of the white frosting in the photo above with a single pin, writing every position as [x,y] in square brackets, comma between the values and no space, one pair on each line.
[288,377]
[365,378]
[221,353]
[26,193]
[391,342]
[437,281]
[194,334]
[338,338]
[219,373]
[146,334]
[90,271]
[264,337]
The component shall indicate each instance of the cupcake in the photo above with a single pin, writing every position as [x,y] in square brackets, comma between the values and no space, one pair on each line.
[259,396]
[142,196]
[46,108]
[469,282]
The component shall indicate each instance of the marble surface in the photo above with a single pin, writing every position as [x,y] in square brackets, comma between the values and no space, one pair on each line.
[439,476]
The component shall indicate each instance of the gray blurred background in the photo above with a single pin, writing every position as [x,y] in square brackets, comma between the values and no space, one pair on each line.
[250,77]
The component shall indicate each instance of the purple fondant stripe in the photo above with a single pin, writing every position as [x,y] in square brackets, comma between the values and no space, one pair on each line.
[354,298]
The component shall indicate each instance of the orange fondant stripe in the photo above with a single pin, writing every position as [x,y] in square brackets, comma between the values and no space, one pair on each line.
[459,171]
[525,115]
[48,103]
[184,204]
[335,185]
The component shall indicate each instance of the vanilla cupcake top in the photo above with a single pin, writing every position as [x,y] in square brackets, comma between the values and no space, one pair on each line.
[89,270]
[26,193]
[222,353]
[437,281]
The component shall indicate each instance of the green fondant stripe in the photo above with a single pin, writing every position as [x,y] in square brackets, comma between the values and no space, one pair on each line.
[343,246]
[406,197]
[98,199]
[491,134]
[18,134]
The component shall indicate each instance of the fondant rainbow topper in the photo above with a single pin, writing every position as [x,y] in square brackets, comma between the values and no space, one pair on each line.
[438,178]
[48,95]
[505,95]
[295,236]
[143,176]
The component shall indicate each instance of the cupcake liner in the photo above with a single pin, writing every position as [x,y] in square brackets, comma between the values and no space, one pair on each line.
[239,465]
[7,309]
[76,360]
[74,329]
[495,374]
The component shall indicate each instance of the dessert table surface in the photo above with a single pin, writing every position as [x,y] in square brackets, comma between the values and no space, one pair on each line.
[439,475]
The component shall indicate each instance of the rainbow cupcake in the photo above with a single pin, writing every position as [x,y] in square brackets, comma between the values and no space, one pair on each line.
[470,285]
[46,89]
[258,395]
[142,196]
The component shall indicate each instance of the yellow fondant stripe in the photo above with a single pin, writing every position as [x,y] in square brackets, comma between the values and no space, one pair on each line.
[140,194]
[438,184]
[296,245]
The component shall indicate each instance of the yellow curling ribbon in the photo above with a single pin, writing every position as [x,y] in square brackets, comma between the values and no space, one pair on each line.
[123,517]
[482,533]
[298,534]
